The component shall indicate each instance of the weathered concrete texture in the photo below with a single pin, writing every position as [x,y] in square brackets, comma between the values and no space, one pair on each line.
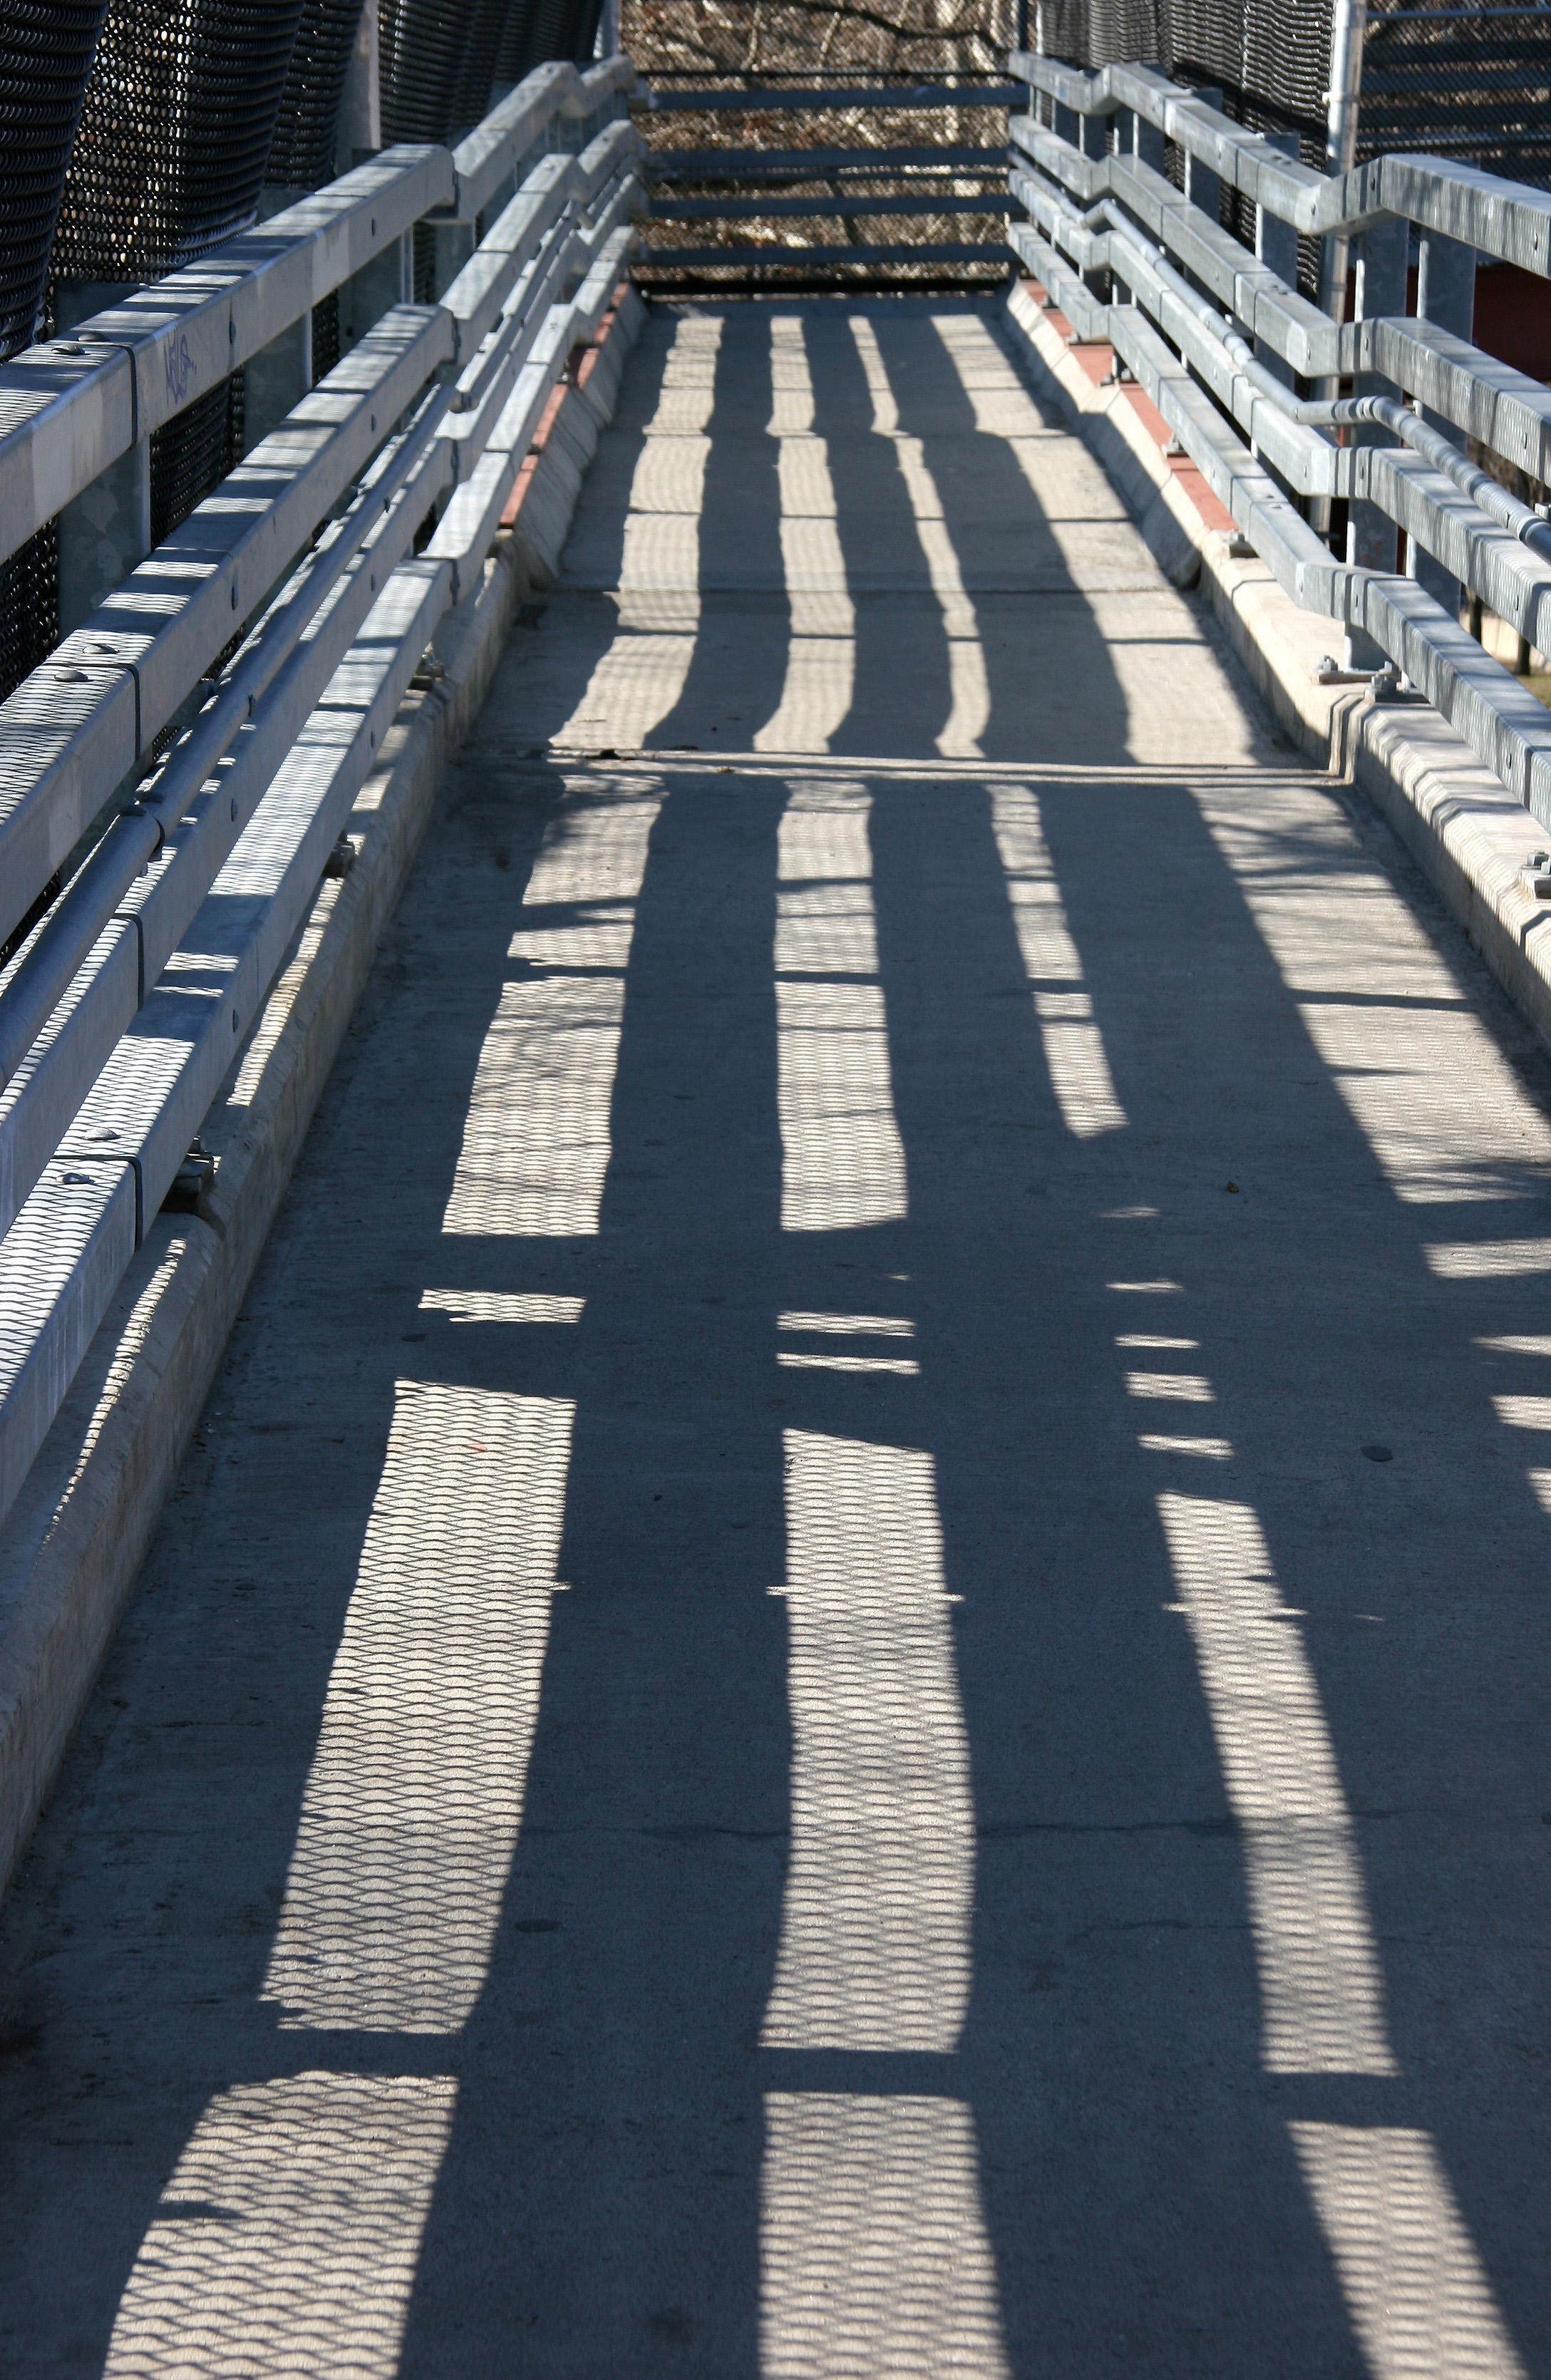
[849,1676]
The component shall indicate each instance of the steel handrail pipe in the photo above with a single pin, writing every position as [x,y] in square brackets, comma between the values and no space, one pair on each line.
[29,998]
[1508,220]
[173,613]
[476,299]
[40,972]
[1481,395]
[196,891]
[168,619]
[208,807]
[1284,429]
[1504,723]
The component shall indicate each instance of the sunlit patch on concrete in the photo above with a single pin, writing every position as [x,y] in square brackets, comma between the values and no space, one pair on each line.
[1524,1413]
[849,1326]
[874,2255]
[842,1162]
[1080,1073]
[287,2239]
[535,1142]
[821,653]
[971,696]
[501,1305]
[1182,1388]
[1441,1108]
[412,1807]
[1488,1259]
[641,676]
[1420,2300]
[874,1949]
[1322,1992]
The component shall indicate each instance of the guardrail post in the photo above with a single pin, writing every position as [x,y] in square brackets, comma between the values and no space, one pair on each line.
[277,378]
[103,535]
[1276,247]
[1147,142]
[454,244]
[1444,295]
[388,280]
[106,533]
[1203,188]
[1382,253]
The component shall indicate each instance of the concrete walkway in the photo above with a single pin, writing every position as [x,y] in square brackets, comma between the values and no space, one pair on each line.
[852,1676]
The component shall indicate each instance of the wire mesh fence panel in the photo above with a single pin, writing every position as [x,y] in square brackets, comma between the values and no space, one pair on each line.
[45,58]
[1467,83]
[954,151]
[173,137]
[301,154]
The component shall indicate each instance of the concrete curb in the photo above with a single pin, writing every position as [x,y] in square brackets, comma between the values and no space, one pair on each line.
[74,1541]
[1470,836]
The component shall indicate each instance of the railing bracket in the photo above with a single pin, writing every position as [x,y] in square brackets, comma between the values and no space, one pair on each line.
[192,1179]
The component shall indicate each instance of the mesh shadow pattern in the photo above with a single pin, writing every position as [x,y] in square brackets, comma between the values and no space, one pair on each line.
[46,48]
[436,63]
[301,154]
[174,134]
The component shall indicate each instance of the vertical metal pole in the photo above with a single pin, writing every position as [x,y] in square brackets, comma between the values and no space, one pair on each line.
[1203,188]
[1371,538]
[1348,30]
[1444,295]
[361,110]
[1148,142]
[1276,245]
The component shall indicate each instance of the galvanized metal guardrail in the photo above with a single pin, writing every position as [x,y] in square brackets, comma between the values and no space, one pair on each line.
[274,633]
[1285,411]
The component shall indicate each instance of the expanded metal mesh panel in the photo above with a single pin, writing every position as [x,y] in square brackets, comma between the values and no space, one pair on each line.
[1474,85]
[516,54]
[536,30]
[191,455]
[174,134]
[301,154]
[46,49]
[28,607]
[437,61]
[325,336]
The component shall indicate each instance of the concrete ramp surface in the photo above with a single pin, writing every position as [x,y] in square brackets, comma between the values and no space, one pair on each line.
[852,1676]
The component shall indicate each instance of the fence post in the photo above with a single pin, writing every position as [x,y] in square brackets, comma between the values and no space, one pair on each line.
[105,531]
[1371,542]
[1444,295]
[1203,188]
[1276,245]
